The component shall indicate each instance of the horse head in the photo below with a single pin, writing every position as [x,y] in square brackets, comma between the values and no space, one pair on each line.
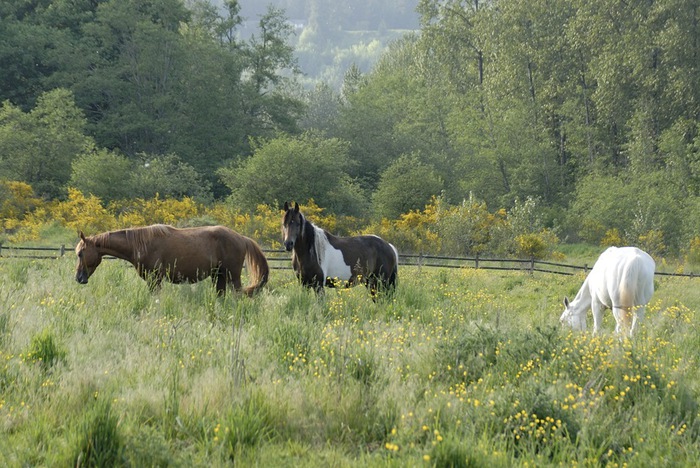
[571,317]
[292,224]
[88,258]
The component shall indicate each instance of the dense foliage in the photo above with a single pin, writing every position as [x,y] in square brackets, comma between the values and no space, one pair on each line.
[591,109]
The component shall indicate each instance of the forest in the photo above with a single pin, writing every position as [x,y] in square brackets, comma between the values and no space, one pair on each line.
[589,112]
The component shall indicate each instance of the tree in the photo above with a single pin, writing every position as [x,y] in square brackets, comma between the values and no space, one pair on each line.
[104,174]
[168,176]
[323,106]
[407,184]
[377,106]
[38,147]
[266,108]
[633,205]
[296,168]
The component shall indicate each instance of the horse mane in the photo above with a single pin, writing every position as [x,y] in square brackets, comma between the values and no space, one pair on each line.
[320,244]
[320,241]
[136,238]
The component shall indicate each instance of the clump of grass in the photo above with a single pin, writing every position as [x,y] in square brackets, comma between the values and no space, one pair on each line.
[469,355]
[149,447]
[455,453]
[99,442]
[250,423]
[45,350]
[291,340]
[18,272]
[4,325]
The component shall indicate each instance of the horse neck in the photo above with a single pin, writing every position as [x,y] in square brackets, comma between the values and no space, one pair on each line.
[305,247]
[115,244]
[583,298]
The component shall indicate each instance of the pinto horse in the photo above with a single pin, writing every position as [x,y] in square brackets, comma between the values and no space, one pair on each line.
[320,258]
[622,279]
[178,255]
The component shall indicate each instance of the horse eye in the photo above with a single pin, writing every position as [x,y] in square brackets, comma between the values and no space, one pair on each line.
[80,254]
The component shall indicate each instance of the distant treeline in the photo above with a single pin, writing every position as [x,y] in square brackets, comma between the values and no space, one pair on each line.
[588,111]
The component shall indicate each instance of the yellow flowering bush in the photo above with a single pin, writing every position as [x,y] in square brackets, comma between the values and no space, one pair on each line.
[611,238]
[16,199]
[83,213]
[694,250]
[412,232]
[536,244]
[653,242]
[141,212]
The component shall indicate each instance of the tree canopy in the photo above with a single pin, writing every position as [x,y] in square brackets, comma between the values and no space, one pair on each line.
[590,108]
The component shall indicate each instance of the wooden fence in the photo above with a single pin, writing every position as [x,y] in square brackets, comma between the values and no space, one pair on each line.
[280,260]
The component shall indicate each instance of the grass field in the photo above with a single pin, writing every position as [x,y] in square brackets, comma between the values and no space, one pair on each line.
[458,368]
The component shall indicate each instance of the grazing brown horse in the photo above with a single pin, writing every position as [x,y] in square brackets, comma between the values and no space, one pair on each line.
[178,255]
[319,258]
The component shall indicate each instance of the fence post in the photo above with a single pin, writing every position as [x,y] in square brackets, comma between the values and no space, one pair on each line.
[476,261]
[532,265]
[63,250]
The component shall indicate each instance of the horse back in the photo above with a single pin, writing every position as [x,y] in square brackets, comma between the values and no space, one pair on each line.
[372,254]
[197,248]
[623,277]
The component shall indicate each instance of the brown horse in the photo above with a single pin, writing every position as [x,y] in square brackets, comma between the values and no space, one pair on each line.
[178,255]
[319,258]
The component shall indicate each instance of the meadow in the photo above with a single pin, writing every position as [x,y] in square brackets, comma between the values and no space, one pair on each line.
[459,367]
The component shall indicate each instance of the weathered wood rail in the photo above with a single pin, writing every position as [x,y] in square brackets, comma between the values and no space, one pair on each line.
[280,260]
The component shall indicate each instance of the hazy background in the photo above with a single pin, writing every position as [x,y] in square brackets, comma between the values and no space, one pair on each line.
[331,35]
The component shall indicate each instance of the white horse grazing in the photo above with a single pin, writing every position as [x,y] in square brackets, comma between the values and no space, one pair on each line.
[622,279]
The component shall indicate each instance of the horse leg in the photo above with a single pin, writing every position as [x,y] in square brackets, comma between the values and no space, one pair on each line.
[372,283]
[636,318]
[597,309]
[623,319]
[219,278]
[236,281]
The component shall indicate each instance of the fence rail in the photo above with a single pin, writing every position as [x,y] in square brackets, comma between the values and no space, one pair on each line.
[280,260]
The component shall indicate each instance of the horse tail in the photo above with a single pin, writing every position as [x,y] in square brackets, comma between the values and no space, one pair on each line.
[258,269]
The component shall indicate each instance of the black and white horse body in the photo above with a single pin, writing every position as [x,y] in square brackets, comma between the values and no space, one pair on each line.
[321,259]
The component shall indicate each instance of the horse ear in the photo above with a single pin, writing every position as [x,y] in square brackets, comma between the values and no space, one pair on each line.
[82,236]
[286,206]
[296,207]
[566,302]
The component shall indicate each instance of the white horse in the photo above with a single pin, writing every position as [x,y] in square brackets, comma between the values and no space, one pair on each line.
[622,279]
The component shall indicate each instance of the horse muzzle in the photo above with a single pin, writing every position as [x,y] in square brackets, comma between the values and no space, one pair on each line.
[81,277]
[289,245]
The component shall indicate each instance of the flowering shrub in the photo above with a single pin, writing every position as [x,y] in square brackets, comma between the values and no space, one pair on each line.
[694,250]
[16,200]
[611,238]
[465,229]
[412,232]
[653,242]
[82,213]
[141,212]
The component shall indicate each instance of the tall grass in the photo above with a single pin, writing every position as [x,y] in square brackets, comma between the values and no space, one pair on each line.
[457,368]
